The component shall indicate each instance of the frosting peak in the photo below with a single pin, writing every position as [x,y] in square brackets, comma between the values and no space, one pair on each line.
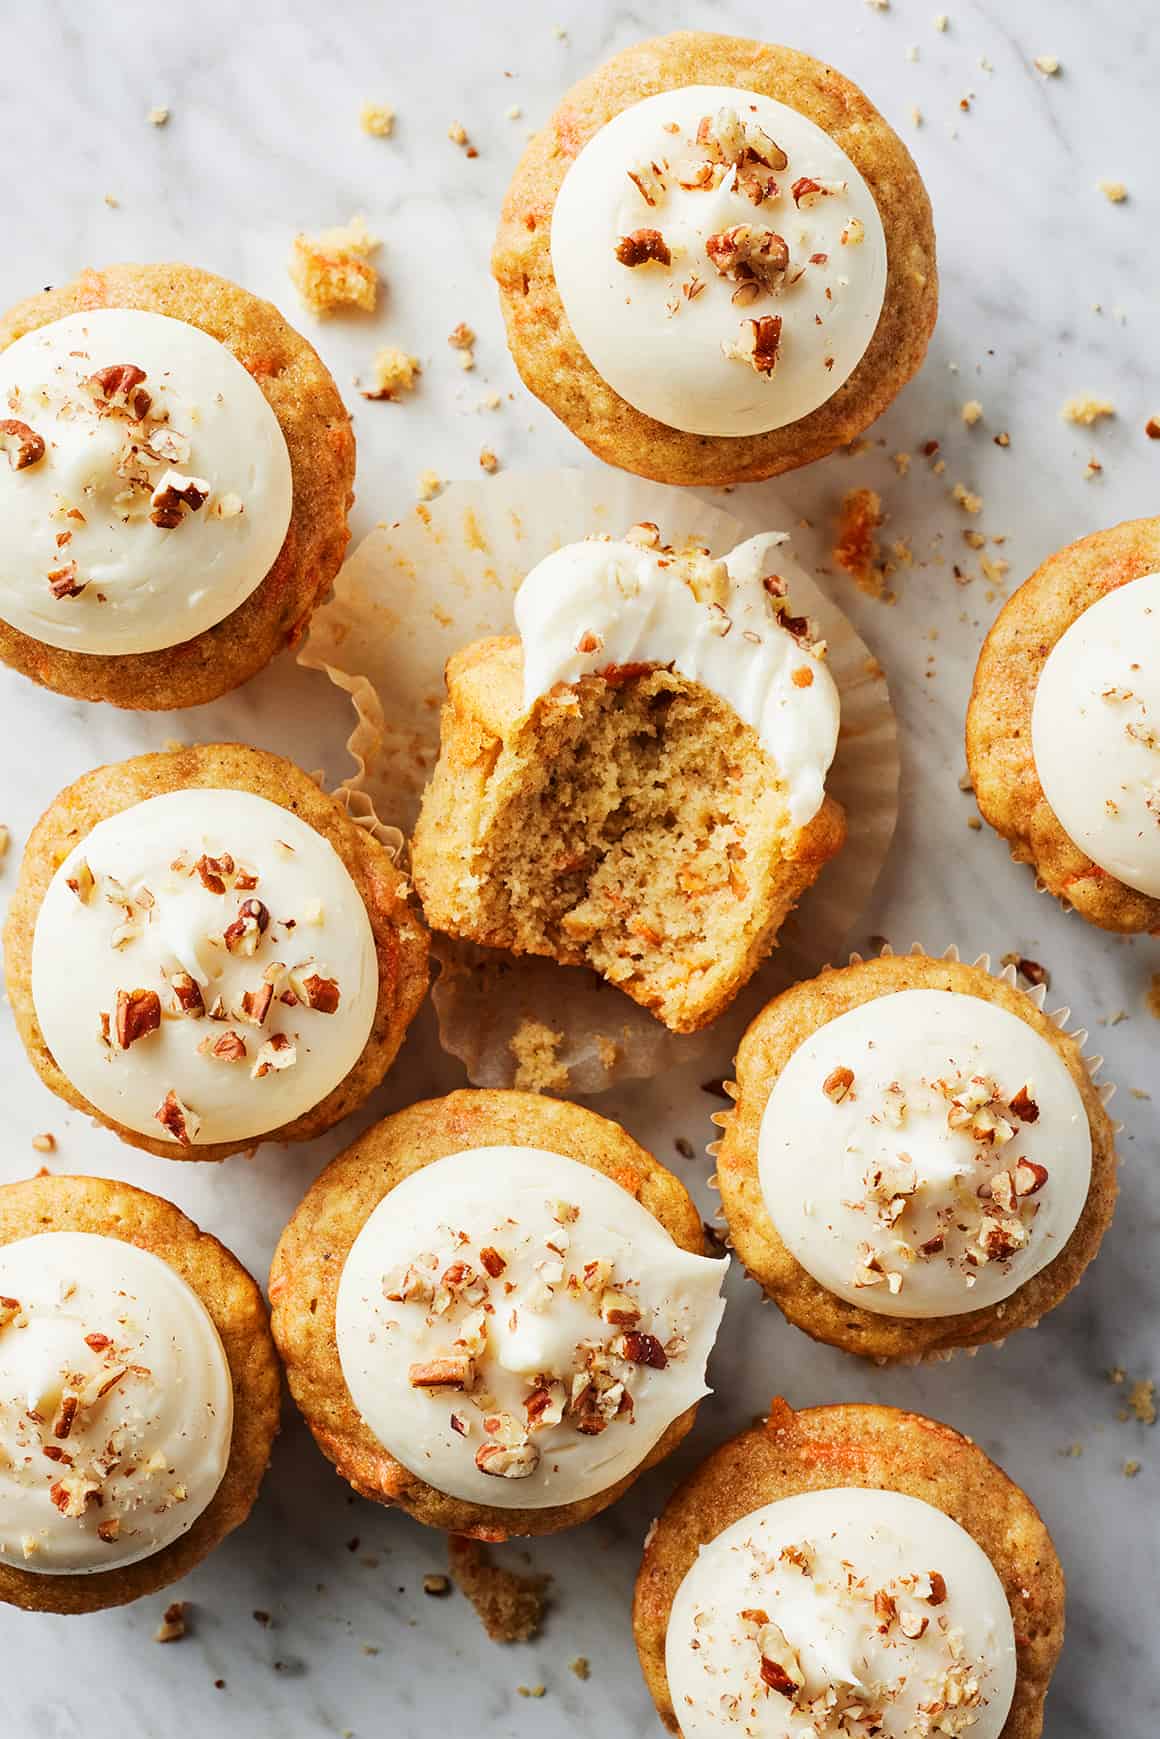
[721,260]
[729,625]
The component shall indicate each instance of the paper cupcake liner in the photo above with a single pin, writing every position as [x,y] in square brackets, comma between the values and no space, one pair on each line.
[415,591]
[1058,1017]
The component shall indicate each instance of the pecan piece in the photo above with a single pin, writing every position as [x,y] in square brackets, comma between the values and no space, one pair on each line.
[780,1668]
[138,1013]
[749,253]
[643,246]
[452,1371]
[758,345]
[278,1052]
[182,1123]
[214,872]
[492,1260]
[1024,1106]
[227,1047]
[649,182]
[515,1461]
[320,994]
[63,582]
[1029,1177]
[807,192]
[118,390]
[174,496]
[838,1083]
[248,928]
[187,995]
[644,1349]
[23,445]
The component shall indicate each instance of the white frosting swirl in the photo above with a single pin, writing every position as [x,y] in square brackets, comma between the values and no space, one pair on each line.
[570,1328]
[598,604]
[949,1168]
[98,551]
[848,1613]
[225,941]
[1095,732]
[660,333]
[116,1404]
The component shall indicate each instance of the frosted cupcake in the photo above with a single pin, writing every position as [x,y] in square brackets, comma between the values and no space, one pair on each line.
[139,1393]
[495,1311]
[716,262]
[205,952]
[918,1160]
[1063,730]
[174,497]
[637,782]
[849,1571]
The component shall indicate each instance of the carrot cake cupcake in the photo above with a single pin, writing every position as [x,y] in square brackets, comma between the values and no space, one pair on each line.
[513,1369]
[853,1571]
[637,782]
[716,262]
[179,468]
[204,952]
[1063,731]
[918,1159]
[139,1393]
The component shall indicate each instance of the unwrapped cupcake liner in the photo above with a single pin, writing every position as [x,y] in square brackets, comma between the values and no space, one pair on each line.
[1058,1017]
[446,573]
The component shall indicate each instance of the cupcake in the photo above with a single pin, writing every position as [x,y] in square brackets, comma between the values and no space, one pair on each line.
[513,1369]
[179,468]
[1063,730]
[139,1393]
[918,1159]
[205,952]
[850,1571]
[636,782]
[716,262]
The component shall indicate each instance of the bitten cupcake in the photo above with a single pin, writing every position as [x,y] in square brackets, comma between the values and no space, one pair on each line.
[849,1571]
[918,1160]
[204,952]
[716,262]
[1063,730]
[495,1311]
[637,781]
[139,1393]
[179,468]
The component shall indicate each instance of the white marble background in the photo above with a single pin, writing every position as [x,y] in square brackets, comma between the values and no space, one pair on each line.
[1048,291]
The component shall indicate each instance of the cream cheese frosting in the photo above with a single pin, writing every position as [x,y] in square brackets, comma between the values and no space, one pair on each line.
[728,625]
[720,260]
[203,967]
[147,488]
[116,1404]
[845,1612]
[518,1330]
[1095,732]
[924,1154]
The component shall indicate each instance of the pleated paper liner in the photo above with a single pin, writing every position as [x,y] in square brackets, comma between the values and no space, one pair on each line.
[415,591]
[1059,1017]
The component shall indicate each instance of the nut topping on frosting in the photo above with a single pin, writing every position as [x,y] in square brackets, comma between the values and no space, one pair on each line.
[104,451]
[910,1183]
[616,608]
[813,1615]
[688,182]
[116,1404]
[150,931]
[552,1319]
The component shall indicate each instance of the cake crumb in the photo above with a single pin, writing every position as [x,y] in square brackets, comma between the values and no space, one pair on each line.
[1047,65]
[429,485]
[1085,409]
[1142,1401]
[513,112]
[941,21]
[394,373]
[158,116]
[533,1047]
[509,1606]
[580,1666]
[172,1626]
[488,461]
[333,269]
[437,1586]
[972,413]
[856,545]
[457,133]
[1002,439]
[45,1143]
[1152,428]
[377,119]
[532,1690]
[901,463]
[1114,191]
[1131,1469]
[967,499]
[462,339]
[1093,468]
[5,841]
[112,201]
[975,825]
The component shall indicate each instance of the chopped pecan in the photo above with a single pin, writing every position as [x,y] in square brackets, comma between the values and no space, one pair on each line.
[619,1308]
[806,191]
[255,1004]
[215,871]
[278,1052]
[174,496]
[451,1371]
[23,445]
[749,253]
[248,928]
[82,882]
[1029,1177]
[138,1013]
[320,994]
[780,1668]
[118,390]
[187,995]
[507,1461]
[182,1123]
[1024,1106]
[227,1047]
[644,1349]
[642,247]
[758,345]
[492,1261]
[649,181]
[63,582]
[838,1083]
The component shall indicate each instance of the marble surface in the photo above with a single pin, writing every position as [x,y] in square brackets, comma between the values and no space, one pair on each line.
[1047,292]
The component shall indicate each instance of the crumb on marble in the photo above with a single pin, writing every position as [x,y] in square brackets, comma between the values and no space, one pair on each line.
[1131,1469]
[394,372]
[533,1048]
[1113,191]
[457,133]
[509,1606]
[429,485]
[488,461]
[1093,468]
[45,1143]
[333,269]
[1141,1402]
[1047,64]
[173,1622]
[1085,409]
[856,545]
[1002,439]
[532,1690]
[377,119]
[941,21]
[972,413]
[462,341]
[967,499]
[579,1667]
[158,116]
[5,841]
[437,1586]
[1035,973]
